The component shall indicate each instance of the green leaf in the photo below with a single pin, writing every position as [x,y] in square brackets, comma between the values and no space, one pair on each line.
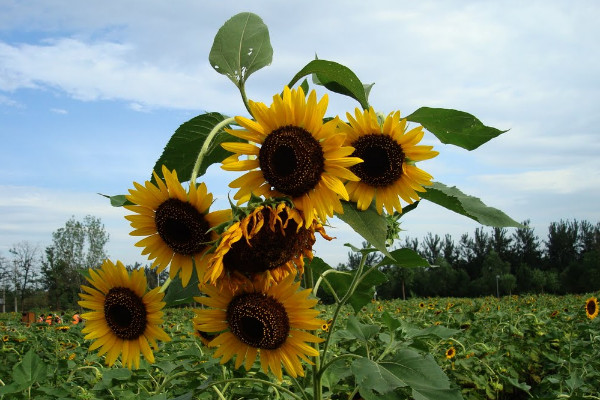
[368,223]
[405,257]
[118,200]
[335,77]
[119,374]
[455,200]
[176,294]
[454,127]
[360,331]
[30,370]
[241,47]
[422,374]
[181,151]
[374,377]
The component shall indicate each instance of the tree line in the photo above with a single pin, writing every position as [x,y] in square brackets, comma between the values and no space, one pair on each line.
[498,262]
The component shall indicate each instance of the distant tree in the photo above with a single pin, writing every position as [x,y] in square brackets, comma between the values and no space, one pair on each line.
[500,242]
[562,244]
[431,247]
[493,268]
[450,251]
[24,258]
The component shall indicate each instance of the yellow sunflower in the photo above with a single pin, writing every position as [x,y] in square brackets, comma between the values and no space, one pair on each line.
[125,319]
[292,153]
[266,246]
[389,153]
[176,224]
[450,353]
[270,325]
[591,307]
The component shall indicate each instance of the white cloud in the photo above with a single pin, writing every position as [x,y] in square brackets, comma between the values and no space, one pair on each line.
[59,111]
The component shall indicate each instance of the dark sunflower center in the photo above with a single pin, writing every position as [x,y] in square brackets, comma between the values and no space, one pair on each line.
[258,320]
[291,160]
[182,227]
[591,307]
[268,249]
[382,160]
[125,313]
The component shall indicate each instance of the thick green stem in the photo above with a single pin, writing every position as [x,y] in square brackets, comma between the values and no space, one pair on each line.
[255,380]
[242,88]
[206,145]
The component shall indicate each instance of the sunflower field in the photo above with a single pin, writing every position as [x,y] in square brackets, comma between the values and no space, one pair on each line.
[240,315]
[543,347]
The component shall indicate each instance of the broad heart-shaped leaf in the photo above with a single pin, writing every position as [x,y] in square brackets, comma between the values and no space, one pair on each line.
[181,151]
[455,200]
[374,379]
[405,258]
[335,77]
[360,331]
[454,127]
[176,294]
[241,47]
[30,370]
[407,368]
[368,223]
[340,282]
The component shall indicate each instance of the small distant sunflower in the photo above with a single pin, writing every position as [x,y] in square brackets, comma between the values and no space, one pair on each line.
[267,245]
[389,153]
[176,224]
[591,307]
[422,305]
[62,328]
[450,353]
[125,319]
[271,325]
[299,156]
[5,338]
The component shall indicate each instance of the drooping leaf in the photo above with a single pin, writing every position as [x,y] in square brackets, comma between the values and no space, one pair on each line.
[335,77]
[454,127]
[241,47]
[405,258]
[373,378]
[455,200]
[360,331]
[181,151]
[368,223]
[30,370]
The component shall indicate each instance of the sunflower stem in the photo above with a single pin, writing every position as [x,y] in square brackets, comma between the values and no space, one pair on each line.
[217,128]
[165,285]
[254,380]
[242,88]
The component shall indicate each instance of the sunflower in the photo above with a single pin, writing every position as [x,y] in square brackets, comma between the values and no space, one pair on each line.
[299,156]
[269,324]
[125,319]
[591,307]
[389,153]
[266,245]
[450,353]
[176,224]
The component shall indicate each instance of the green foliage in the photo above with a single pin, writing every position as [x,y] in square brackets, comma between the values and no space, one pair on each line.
[241,47]
[368,223]
[454,127]
[337,78]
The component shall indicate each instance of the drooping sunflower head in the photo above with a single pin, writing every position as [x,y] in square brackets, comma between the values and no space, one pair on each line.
[450,353]
[292,153]
[124,318]
[175,222]
[270,324]
[265,246]
[389,152]
[591,307]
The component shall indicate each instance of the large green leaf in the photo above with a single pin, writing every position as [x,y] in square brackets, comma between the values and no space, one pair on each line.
[177,294]
[335,77]
[181,151]
[30,370]
[455,200]
[454,127]
[241,47]
[374,379]
[405,258]
[368,223]
[362,332]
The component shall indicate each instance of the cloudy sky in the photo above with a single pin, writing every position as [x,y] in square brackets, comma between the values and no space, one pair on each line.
[90,93]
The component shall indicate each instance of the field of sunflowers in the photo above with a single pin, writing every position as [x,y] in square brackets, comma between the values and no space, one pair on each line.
[542,347]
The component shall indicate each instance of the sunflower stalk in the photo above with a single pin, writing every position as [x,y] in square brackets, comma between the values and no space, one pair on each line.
[205,146]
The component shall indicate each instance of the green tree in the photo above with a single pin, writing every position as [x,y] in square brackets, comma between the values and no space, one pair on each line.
[25,260]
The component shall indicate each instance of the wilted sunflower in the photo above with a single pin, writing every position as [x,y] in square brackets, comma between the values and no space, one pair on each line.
[389,153]
[269,324]
[266,246]
[591,307]
[125,319]
[176,223]
[299,156]
[450,353]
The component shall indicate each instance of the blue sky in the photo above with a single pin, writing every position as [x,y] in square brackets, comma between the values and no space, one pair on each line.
[91,92]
